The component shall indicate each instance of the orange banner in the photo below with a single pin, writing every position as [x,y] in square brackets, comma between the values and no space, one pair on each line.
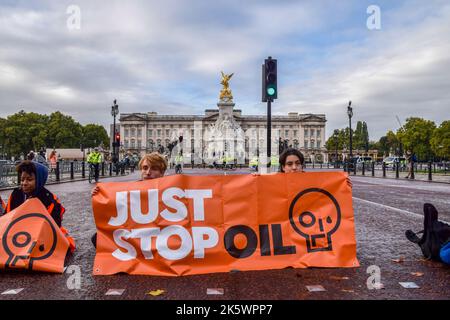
[31,240]
[181,225]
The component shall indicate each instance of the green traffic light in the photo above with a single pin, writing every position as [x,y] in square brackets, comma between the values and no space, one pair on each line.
[271,91]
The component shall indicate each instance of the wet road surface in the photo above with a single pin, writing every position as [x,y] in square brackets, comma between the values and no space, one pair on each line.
[384,209]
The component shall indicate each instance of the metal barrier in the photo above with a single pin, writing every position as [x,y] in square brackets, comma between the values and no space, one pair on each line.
[63,171]
[424,171]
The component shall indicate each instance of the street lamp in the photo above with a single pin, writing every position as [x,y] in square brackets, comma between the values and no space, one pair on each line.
[350,115]
[114,113]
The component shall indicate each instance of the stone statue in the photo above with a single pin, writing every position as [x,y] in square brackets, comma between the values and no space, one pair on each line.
[225,93]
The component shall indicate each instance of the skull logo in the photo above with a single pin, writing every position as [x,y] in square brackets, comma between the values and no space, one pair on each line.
[315,215]
[24,245]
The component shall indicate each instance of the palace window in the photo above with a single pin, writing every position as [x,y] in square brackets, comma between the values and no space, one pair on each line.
[306,132]
[139,132]
[306,144]
[126,133]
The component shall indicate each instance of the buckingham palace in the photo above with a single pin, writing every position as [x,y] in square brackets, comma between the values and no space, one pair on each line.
[146,132]
[222,132]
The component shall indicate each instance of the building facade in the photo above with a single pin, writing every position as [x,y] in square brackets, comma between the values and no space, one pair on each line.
[203,135]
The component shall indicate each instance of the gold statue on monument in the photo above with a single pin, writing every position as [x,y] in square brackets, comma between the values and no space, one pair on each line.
[225,93]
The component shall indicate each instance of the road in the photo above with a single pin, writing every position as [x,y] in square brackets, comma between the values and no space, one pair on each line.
[384,209]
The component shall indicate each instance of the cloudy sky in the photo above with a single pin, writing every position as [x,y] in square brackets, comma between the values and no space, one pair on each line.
[166,56]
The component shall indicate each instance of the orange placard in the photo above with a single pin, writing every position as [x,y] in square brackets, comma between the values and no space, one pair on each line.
[180,225]
[31,240]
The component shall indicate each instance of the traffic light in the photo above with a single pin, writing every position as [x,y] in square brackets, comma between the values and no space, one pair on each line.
[117,139]
[269,80]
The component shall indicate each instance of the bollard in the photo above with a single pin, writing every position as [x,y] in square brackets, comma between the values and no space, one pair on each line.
[397,173]
[71,170]
[103,169]
[354,168]
[364,169]
[83,169]
[110,169]
[384,169]
[430,178]
[412,171]
[373,169]
[58,166]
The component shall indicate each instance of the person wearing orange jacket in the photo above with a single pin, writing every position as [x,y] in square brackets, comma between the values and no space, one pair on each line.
[33,177]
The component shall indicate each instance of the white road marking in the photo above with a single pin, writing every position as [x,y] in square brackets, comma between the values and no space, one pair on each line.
[315,288]
[114,292]
[214,291]
[395,209]
[409,285]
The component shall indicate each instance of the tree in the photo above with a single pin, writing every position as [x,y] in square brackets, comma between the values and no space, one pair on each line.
[415,135]
[343,140]
[393,143]
[64,132]
[382,146]
[2,136]
[365,136]
[94,135]
[440,140]
[358,136]
[22,132]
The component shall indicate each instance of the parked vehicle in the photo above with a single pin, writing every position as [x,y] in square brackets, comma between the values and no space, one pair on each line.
[390,162]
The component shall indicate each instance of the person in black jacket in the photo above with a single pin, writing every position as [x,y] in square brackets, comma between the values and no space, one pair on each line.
[33,177]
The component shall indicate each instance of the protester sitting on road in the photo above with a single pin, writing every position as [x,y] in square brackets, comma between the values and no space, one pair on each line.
[152,166]
[33,177]
[2,206]
[291,160]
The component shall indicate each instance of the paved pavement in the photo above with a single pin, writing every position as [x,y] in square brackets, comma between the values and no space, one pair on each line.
[384,209]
